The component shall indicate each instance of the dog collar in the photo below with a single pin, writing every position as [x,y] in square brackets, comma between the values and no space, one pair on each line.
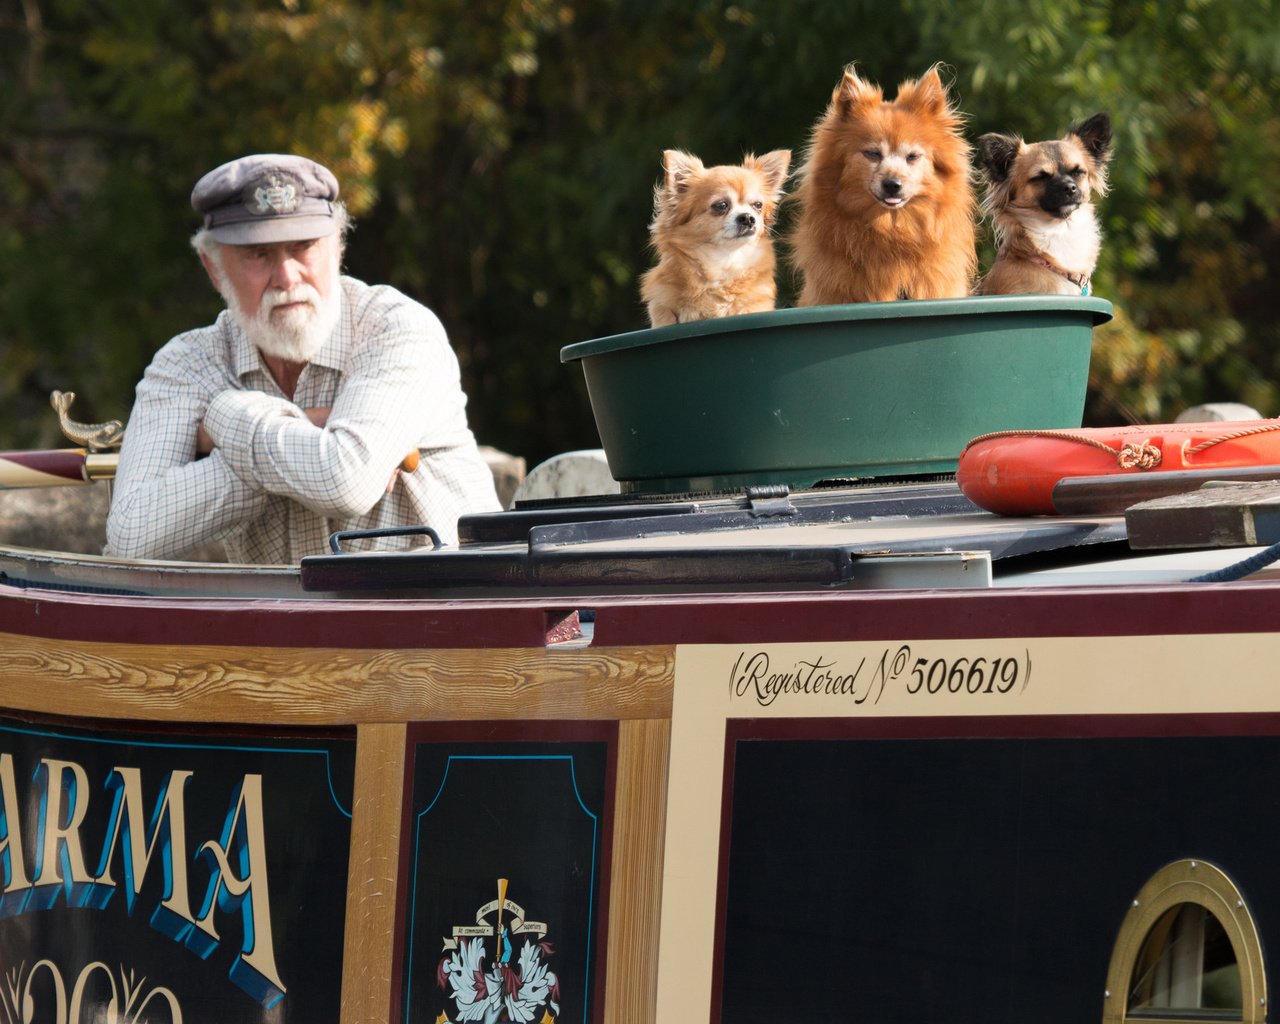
[1081,281]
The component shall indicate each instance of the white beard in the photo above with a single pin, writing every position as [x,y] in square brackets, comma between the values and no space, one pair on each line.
[295,335]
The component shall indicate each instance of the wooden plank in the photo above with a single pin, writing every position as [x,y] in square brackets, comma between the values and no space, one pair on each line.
[376,815]
[635,900]
[319,686]
[1217,515]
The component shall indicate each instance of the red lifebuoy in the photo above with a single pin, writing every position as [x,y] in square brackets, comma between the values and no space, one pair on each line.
[1014,472]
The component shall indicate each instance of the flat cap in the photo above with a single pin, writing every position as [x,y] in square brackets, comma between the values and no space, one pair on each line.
[267,197]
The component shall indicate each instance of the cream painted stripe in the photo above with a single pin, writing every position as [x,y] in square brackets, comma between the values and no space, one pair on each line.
[13,475]
[687,933]
[1205,674]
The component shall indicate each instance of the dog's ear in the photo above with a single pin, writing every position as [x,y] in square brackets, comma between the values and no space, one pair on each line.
[773,166]
[926,94]
[996,154]
[1095,133]
[854,92]
[680,167]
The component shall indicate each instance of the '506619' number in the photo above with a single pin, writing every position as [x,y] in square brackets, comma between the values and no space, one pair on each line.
[968,675]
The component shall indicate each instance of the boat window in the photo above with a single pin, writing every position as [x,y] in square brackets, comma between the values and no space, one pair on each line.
[1186,964]
[1187,951]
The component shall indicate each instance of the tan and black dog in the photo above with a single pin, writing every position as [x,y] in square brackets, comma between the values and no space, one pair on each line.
[1040,201]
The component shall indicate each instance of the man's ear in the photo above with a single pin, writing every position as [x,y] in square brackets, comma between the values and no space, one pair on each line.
[211,269]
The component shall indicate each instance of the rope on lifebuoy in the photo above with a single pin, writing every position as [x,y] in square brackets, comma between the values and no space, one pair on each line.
[1142,455]
[1132,455]
[1233,435]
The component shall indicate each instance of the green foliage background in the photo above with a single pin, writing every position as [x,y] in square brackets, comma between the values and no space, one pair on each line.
[500,156]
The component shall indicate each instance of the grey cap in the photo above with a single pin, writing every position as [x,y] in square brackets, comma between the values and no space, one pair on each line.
[267,197]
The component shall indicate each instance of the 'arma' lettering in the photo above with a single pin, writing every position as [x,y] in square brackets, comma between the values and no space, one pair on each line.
[243,844]
[13,868]
[237,862]
[63,804]
[165,835]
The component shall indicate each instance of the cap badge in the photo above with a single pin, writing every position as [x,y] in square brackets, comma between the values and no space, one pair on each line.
[273,196]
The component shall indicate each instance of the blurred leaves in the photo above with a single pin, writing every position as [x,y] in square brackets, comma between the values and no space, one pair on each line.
[500,157]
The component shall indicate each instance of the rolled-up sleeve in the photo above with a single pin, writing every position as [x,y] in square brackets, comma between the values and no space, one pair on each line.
[165,502]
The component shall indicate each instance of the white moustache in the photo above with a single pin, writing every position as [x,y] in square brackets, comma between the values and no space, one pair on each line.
[281,297]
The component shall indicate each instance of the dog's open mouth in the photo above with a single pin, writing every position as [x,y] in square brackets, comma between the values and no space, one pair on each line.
[892,201]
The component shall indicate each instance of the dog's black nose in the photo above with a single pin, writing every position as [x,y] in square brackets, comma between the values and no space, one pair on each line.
[1061,196]
[891,186]
[746,220]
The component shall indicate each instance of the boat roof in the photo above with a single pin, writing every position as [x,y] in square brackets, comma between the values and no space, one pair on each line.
[885,536]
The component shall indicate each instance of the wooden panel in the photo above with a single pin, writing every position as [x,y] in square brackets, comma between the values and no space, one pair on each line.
[367,961]
[635,900]
[318,686]
[1217,515]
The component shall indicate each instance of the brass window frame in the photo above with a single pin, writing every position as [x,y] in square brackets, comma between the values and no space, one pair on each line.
[1206,885]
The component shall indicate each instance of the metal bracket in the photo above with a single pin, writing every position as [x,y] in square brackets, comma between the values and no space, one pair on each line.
[770,500]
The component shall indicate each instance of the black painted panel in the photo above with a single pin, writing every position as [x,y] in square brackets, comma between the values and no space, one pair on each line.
[972,880]
[534,814]
[123,856]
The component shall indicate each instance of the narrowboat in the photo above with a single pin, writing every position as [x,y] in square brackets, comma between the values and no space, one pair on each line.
[786,728]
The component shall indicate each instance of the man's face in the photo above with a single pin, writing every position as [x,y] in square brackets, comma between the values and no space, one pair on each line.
[284,295]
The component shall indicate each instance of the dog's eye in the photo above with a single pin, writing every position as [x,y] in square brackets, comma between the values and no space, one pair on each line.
[1041,176]
[1076,172]
[757,206]
[913,157]
[720,207]
[871,154]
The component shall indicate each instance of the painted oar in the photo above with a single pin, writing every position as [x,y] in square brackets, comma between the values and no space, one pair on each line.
[57,467]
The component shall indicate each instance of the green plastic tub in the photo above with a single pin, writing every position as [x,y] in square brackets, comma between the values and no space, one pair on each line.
[827,393]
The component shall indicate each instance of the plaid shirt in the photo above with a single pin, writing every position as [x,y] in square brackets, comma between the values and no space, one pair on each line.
[276,486]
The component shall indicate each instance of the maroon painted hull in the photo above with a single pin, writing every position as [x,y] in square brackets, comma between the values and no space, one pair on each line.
[679,791]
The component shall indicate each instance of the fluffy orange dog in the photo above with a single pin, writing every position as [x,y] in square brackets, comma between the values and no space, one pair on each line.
[887,208]
[711,233]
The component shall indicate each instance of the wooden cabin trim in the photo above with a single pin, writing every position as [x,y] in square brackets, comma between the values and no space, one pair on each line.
[635,900]
[331,686]
[370,942]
